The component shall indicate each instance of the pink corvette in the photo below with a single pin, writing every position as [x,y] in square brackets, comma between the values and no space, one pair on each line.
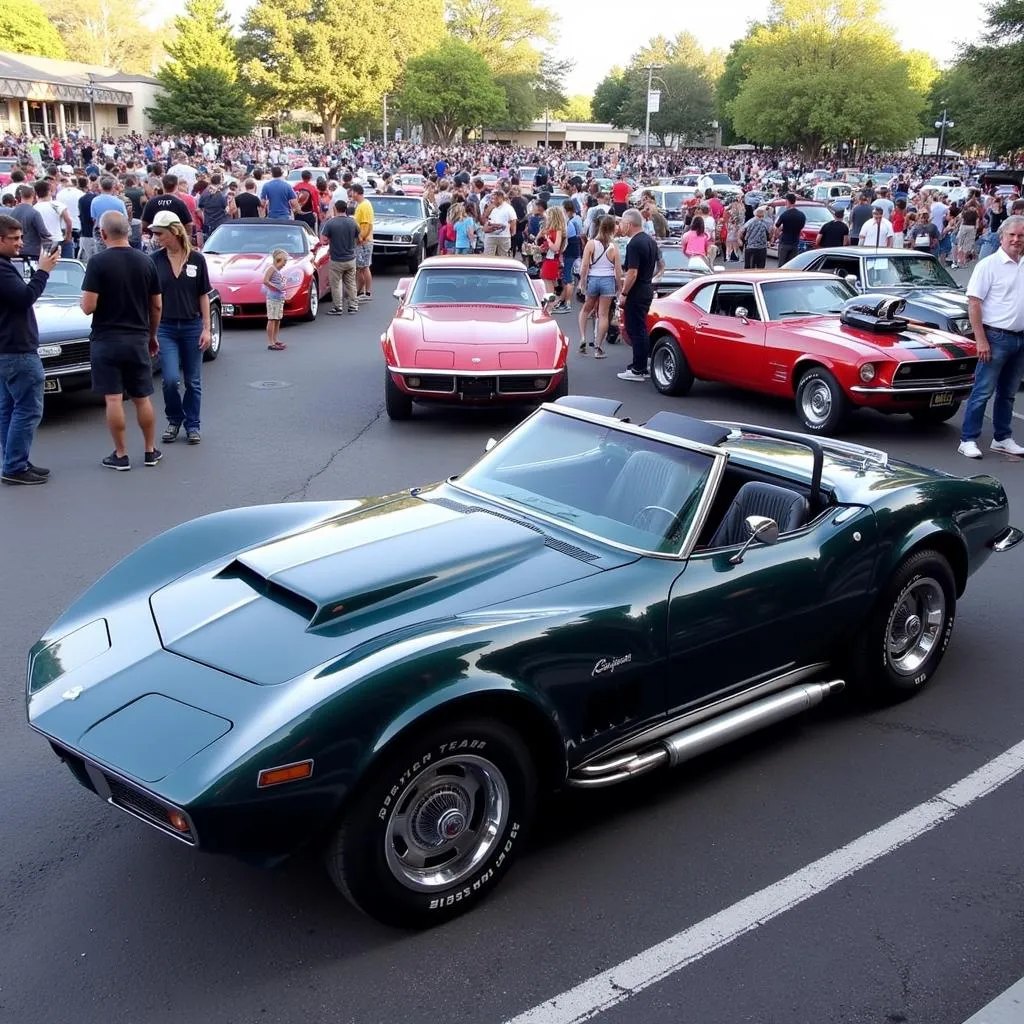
[472,330]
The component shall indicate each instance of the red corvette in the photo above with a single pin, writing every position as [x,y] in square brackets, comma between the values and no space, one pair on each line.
[238,254]
[472,330]
[809,337]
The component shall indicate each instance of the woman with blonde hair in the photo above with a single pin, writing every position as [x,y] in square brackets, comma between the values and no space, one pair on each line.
[184,332]
[551,242]
[600,280]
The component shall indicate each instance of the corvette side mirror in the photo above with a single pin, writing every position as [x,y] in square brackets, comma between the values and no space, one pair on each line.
[549,300]
[399,293]
[762,529]
[743,313]
[491,442]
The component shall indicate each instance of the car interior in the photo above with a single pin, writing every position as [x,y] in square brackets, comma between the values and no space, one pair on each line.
[656,491]
[725,298]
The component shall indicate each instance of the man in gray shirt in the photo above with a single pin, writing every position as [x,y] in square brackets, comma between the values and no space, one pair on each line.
[859,216]
[35,237]
[754,236]
[341,232]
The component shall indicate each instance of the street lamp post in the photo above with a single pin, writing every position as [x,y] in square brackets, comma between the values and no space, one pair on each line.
[90,91]
[650,68]
[942,126]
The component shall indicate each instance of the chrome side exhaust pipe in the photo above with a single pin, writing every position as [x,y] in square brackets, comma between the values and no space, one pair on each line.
[745,720]
[716,732]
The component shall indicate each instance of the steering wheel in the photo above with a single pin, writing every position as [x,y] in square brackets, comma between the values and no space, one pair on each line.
[639,522]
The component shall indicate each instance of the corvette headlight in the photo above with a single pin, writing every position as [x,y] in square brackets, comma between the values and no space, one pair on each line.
[867,373]
[48,663]
[962,325]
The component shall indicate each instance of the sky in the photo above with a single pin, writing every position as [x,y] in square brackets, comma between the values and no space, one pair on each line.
[945,24]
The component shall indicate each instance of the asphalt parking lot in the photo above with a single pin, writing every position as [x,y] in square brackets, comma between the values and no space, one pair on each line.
[103,920]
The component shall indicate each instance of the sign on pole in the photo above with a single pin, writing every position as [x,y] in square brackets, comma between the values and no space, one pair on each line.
[653,101]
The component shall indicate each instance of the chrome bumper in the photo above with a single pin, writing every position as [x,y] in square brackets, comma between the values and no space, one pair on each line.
[1009,538]
[66,371]
[932,389]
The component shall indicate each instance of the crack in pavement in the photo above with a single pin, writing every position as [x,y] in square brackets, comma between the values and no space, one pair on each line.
[303,490]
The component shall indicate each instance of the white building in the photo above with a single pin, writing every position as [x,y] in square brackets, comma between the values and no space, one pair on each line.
[561,135]
[46,97]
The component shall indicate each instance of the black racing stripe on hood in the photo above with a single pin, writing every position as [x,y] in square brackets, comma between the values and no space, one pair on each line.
[929,351]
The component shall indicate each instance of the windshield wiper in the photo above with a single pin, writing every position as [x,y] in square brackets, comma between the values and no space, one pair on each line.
[211,252]
[801,312]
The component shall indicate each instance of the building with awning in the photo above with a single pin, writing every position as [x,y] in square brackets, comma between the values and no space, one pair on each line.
[43,96]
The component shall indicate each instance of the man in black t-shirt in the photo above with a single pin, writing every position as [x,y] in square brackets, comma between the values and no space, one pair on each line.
[247,203]
[835,233]
[341,233]
[168,201]
[787,230]
[121,292]
[643,261]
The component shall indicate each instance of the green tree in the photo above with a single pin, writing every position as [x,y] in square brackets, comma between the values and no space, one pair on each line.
[987,113]
[338,61]
[451,88]
[201,88]
[202,39]
[727,88]
[549,82]
[521,105]
[504,32]
[110,33]
[24,28]
[821,71]
[687,105]
[206,100]
[576,108]
[609,96]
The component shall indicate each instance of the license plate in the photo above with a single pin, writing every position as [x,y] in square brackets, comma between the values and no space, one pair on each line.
[470,388]
[51,386]
[942,398]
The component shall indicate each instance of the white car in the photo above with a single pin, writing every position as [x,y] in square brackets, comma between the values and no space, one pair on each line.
[826,191]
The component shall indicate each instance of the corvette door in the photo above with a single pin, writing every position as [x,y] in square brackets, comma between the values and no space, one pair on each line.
[783,607]
[731,337]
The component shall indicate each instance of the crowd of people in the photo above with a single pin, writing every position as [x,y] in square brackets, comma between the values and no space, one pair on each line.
[136,210]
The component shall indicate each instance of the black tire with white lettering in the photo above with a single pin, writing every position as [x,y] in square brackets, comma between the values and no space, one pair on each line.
[902,644]
[436,824]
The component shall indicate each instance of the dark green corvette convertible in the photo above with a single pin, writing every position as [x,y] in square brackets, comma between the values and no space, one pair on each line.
[395,678]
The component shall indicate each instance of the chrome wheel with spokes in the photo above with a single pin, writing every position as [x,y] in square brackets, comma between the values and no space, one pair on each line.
[446,822]
[821,403]
[915,626]
[670,371]
[663,366]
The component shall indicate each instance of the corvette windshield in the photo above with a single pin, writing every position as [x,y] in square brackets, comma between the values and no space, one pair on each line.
[490,287]
[804,298]
[256,238]
[622,487]
[64,282]
[906,272]
[405,207]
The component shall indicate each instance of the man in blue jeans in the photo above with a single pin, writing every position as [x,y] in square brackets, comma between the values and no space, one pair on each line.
[21,369]
[995,296]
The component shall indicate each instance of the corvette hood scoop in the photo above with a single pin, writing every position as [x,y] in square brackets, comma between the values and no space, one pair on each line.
[280,609]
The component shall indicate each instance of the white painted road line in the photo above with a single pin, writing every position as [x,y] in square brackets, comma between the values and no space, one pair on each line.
[619,983]
[1005,1009]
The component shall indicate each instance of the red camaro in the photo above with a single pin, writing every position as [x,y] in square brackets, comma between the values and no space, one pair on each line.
[809,337]
[473,330]
[238,254]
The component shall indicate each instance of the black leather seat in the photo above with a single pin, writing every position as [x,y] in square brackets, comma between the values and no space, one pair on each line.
[647,479]
[788,508]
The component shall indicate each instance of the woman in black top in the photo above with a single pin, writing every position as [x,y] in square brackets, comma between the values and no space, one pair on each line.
[184,332]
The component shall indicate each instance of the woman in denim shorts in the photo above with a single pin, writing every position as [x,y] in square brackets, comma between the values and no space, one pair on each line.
[600,280]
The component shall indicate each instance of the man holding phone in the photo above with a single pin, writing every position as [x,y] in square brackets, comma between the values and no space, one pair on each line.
[21,369]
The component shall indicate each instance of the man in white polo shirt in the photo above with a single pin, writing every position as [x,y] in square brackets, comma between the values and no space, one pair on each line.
[995,296]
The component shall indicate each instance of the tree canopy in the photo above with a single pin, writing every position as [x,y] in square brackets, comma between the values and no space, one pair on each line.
[683,72]
[201,88]
[503,32]
[450,88]
[576,108]
[25,28]
[110,33]
[986,111]
[822,71]
[336,60]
